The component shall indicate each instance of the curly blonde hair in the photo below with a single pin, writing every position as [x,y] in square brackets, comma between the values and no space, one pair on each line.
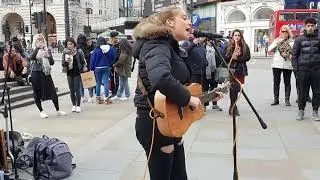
[286,28]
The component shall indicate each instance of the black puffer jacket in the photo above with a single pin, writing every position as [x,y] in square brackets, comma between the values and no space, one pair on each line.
[196,60]
[306,52]
[160,66]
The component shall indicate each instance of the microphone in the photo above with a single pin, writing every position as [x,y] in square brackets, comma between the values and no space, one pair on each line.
[198,33]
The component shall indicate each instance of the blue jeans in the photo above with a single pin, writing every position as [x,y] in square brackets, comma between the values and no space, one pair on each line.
[82,91]
[123,86]
[102,74]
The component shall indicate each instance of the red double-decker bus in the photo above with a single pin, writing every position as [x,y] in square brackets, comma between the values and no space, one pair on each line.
[294,18]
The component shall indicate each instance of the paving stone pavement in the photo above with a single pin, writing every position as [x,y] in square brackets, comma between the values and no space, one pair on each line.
[102,138]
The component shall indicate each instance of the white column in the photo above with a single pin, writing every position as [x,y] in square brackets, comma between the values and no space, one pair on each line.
[2,37]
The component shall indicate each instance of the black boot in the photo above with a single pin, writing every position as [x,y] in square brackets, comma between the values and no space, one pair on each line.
[287,90]
[275,102]
[275,94]
[287,102]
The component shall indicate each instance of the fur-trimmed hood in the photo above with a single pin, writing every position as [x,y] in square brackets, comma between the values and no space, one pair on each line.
[148,30]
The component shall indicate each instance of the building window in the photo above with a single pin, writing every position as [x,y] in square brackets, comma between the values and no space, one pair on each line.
[263,14]
[236,16]
[100,11]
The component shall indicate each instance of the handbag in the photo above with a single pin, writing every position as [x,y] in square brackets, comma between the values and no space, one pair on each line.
[222,74]
[88,79]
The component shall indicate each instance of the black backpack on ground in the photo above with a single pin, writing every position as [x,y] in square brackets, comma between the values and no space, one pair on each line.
[52,160]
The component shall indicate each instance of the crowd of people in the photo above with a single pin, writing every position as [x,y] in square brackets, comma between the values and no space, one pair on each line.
[110,61]
[169,57]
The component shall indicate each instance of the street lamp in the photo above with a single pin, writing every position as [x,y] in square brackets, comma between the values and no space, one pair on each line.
[87,29]
[30,5]
[88,11]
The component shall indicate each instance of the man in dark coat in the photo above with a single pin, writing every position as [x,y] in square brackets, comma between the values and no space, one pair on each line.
[196,59]
[114,77]
[82,44]
[306,65]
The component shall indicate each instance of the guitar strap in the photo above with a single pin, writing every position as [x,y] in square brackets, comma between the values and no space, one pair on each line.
[153,114]
[144,91]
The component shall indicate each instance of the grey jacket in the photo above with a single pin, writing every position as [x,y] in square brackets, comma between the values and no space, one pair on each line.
[35,64]
[82,65]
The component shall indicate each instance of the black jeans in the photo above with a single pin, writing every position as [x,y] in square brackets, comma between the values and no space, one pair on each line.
[162,166]
[74,87]
[306,79]
[54,100]
[114,81]
[209,85]
[277,79]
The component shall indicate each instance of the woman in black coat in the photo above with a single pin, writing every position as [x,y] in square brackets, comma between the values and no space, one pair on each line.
[238,53]
[161,68]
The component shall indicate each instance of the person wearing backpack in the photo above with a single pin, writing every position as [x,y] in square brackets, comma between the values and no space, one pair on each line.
[101,62]
[73,60]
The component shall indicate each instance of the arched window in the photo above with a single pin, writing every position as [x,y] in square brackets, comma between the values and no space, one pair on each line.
[236,16]
[263,14]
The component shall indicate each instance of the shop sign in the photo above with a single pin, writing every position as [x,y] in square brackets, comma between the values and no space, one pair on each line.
[195,20]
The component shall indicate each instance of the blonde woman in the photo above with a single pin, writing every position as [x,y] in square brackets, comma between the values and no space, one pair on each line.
[41,61]
[282,47]
[161,68]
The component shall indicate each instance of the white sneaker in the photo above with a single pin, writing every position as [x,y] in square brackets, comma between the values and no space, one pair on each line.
[124,99]
[43,115]
[73,109]
[78,109]
[84,99]
[91,100]
[61,113]
[115,98]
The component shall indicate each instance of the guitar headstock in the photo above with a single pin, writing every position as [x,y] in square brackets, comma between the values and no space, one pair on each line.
[208,96]
[224,87]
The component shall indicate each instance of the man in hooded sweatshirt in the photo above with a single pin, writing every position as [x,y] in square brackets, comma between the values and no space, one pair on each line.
[101,62]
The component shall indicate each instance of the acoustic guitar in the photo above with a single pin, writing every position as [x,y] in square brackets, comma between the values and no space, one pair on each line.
[175,121]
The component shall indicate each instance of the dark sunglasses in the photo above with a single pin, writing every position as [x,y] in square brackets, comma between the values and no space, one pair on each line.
[284,31]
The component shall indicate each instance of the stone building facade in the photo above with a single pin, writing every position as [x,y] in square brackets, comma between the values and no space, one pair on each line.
[250,16]
[15,17]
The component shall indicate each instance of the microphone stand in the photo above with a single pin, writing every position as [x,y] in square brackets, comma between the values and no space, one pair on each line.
[234,123]
[6,89]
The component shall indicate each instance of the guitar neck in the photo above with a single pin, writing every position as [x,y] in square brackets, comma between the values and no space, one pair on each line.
[208,96]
